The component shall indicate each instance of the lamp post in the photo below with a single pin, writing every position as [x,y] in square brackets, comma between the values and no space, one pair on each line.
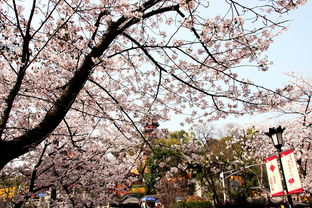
[276,135]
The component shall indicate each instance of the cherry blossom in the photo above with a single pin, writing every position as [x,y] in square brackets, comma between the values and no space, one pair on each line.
[82,74]
[292,111]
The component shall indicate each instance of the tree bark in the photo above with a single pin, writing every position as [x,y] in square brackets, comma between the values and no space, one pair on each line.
[30,139]
[12,149]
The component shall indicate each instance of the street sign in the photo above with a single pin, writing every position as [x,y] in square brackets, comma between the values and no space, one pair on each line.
[291,174]
[276,186]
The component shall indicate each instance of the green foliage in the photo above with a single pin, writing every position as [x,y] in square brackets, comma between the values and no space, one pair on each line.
[150,181]
[196,204]
[181,135]
[167,153]
[168,142]
[175,139]
[169,157]
[10,181]
[252,131]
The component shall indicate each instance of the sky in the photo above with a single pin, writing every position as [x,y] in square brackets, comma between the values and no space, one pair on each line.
[291,51]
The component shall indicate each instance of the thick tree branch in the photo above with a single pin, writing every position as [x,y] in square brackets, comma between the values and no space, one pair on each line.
[31,138]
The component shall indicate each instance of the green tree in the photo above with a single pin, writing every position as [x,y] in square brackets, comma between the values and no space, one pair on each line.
[227,155]
[166,155]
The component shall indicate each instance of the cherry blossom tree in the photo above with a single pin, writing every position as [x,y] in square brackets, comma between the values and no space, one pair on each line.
[86,176]
[292,111]
[71,67]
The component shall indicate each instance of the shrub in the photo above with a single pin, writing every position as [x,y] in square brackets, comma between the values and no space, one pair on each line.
[196,204]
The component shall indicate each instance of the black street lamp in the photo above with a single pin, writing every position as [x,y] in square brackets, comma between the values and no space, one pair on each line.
[276,134]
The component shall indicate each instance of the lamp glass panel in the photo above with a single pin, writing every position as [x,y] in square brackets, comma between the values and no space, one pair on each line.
[279,138]
[274,138]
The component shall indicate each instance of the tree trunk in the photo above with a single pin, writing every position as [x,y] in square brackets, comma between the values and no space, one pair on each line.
[12,149]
